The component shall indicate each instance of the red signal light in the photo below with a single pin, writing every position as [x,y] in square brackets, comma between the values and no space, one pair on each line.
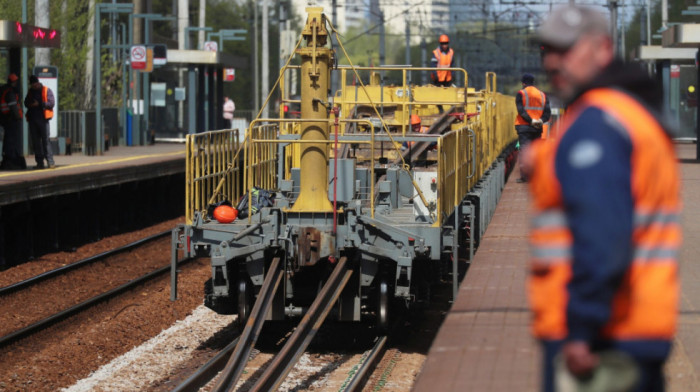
[18,27]
[53,34]
[286,108]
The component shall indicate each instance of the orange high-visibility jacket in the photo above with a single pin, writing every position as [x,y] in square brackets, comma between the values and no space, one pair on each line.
[8,100]
[444,60]
[423,129]
[48,113]
[645,303]
[533,103]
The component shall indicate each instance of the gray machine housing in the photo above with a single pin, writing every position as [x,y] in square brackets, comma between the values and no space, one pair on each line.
[388,246]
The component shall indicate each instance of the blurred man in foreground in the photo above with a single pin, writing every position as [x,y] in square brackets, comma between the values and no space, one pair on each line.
[605,231]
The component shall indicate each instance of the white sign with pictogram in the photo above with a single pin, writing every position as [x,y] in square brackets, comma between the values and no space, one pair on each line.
[211,46]
[138,57]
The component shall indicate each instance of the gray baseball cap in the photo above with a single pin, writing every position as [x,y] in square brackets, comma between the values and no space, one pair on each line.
[565,25]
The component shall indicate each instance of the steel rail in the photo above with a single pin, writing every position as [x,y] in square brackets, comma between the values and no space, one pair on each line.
[283,362]
[208,371]
[239,358]
[359,379]
[51,320]
[92,259]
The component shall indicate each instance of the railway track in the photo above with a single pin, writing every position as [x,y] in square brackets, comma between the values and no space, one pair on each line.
[81,263]
[54,318]
[232,360]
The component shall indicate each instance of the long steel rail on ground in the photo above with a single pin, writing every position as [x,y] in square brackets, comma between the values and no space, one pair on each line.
[283,362]
[57,317]
[362,374]
[87,261]
[233,358]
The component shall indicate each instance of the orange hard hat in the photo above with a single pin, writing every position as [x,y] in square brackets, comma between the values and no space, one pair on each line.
[444,39]
[415,120]
[225,214]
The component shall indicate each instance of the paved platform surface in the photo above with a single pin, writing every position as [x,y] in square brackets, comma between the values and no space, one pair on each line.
[485,343]
[79,172]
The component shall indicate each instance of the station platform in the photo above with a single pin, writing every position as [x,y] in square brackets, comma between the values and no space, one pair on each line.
[485,344]
[78,172]
[86,198]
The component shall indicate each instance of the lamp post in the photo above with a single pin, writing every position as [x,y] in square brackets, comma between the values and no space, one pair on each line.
[146,75]
[110,8]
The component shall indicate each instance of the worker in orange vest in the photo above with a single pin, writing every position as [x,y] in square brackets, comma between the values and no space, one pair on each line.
[40,102]
[416,127]
[443,57]
[606,195]
[533,111]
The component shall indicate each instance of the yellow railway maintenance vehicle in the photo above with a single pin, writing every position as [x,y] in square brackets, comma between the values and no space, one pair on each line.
[331,208]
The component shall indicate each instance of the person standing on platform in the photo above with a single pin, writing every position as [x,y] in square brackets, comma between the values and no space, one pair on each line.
[533,111]
[11,121]
[40,102]
[606,195]
[229,108]
[443,57]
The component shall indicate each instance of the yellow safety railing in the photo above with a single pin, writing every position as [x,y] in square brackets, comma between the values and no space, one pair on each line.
[261,157]
[464,154]
[467,153]
[212,172]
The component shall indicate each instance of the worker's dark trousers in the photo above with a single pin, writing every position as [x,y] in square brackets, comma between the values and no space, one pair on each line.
[12,158]
[526,134]
[39,129]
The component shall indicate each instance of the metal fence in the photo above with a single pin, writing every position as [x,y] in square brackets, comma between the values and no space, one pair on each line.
[78,129]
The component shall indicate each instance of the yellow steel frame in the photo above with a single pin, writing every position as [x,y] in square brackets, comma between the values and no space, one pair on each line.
[411,99]
[212,160]
[212,172]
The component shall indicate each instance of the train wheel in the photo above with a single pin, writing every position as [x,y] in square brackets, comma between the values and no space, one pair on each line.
[383,306]
[245,302]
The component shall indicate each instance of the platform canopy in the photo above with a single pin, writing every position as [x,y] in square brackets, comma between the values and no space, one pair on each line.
[658,52]
[22,35]
[685,35]
[205,57]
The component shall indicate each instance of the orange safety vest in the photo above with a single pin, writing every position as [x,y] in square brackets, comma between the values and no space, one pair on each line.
[423,129]
[533,103]
[443,61]
[645,305]
[48,113]
[7,101]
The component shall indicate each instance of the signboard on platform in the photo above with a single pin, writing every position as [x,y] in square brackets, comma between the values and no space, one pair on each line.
[138,57]
[160,54]
[180,93]
[211,46]
[48,76]
[675,71]
[158,94]
[149,60]
[229,74]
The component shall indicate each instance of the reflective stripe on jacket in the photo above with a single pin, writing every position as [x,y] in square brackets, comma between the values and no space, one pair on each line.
[645,301]
[9,99]
[444,60]
[533,103]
